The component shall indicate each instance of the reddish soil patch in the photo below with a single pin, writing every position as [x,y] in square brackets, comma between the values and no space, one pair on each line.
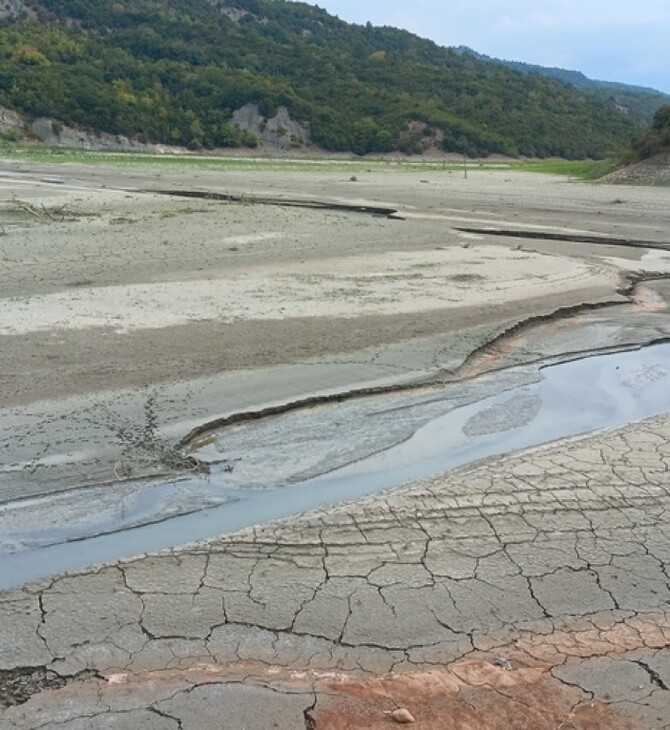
[485,698]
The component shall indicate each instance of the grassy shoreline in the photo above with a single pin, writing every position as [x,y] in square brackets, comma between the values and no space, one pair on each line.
[578,169]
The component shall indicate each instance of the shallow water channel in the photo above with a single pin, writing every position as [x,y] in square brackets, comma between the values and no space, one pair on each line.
[310,457]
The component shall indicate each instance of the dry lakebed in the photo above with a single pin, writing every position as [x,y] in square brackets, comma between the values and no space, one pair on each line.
[297,449]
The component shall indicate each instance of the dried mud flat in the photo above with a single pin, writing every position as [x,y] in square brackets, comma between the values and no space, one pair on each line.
[530,590]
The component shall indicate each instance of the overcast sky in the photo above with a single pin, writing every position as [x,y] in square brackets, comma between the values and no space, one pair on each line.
[613,40]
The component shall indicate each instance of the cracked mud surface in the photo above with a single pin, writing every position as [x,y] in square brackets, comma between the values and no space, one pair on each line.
[531,590]
[535,584]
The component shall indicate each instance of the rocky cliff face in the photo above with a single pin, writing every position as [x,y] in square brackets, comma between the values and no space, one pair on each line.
[54,133]
[11,122]
[278,132]
[12,9]
[16,127]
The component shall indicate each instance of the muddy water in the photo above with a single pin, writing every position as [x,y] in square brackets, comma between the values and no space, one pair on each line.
[322,455]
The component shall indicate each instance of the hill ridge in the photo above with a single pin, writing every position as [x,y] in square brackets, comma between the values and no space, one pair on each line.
[178,72]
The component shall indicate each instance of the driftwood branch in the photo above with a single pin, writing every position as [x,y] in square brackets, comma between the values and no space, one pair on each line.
[58,215]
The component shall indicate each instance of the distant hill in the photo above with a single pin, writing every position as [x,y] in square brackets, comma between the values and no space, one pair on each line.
[225,73]
[638,101]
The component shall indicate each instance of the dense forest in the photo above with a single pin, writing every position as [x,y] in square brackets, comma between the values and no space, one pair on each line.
[174,71]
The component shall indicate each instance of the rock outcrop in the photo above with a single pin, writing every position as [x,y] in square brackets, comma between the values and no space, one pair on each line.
[278,132]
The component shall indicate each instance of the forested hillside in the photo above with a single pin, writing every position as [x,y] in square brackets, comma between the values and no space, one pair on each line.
[638,101]
[174,71]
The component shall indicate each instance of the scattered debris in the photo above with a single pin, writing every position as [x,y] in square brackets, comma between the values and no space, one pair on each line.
[122,470]
[227,466]
[57,214]
[190,463]
[80,283]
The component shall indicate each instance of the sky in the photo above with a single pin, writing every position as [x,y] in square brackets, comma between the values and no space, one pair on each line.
[611,40]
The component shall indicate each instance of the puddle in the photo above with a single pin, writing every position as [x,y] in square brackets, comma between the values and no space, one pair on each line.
[322,455]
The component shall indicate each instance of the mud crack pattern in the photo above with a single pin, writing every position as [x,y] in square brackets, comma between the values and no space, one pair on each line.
[535,585]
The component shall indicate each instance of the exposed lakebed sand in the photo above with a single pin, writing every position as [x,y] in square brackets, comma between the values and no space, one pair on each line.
[390,284]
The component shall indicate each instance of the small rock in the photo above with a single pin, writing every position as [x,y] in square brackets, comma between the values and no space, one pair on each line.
[504,664]
[118,678]
[402,716]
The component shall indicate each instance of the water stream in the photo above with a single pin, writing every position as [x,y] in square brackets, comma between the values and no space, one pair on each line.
[322,455]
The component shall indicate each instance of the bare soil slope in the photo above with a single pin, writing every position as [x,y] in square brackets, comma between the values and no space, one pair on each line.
[654,171]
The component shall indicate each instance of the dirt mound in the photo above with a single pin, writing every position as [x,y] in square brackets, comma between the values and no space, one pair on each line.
[654,171]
